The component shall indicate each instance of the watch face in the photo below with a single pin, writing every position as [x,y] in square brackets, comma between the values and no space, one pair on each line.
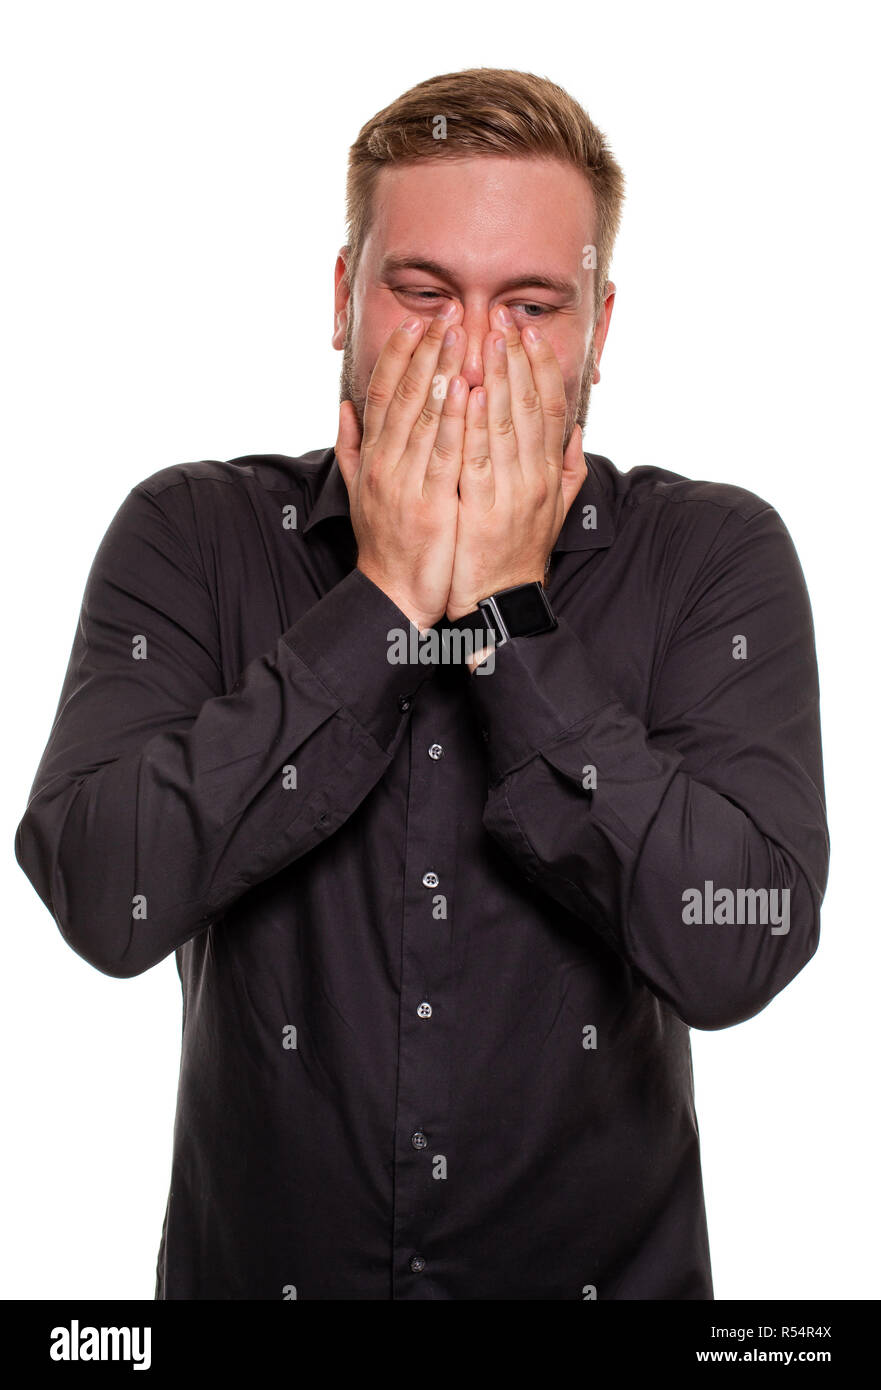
[524,610]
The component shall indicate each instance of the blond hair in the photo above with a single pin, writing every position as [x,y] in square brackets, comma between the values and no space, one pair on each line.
[490,111]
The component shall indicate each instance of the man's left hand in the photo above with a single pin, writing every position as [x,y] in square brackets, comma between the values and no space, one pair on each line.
[516,483]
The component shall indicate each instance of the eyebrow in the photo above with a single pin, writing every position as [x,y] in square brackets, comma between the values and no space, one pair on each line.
[392,264]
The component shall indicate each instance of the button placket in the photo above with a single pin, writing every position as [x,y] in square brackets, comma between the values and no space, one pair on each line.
[423,1095]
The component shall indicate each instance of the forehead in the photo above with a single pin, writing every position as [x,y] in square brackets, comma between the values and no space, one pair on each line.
[487,213]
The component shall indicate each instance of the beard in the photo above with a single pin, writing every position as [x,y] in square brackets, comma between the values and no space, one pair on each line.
[352,390]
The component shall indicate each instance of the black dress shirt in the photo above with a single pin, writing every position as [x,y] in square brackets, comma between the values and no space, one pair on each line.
[441,936]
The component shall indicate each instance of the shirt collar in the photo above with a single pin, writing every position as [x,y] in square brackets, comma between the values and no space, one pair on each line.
[588,524]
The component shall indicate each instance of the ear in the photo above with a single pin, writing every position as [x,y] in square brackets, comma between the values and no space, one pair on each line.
[341,293]
[601,327]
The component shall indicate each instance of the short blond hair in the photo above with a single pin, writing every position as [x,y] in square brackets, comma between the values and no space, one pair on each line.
[490,111]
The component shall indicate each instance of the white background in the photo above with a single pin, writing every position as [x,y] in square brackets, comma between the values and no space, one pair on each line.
[173,177]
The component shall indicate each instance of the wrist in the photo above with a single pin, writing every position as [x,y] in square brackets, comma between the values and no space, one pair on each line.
[480,655]
[417,614]
[519,610]
[457,610]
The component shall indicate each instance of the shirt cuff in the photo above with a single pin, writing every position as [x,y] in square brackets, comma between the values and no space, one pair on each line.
[346,640]
[537,690]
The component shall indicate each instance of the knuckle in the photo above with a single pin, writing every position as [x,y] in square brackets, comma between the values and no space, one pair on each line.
[479,462]
[530,401]
[377,392]
[442,453]
[504,426]
[408,390]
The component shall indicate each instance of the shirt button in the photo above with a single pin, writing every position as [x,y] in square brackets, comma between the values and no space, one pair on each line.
[418,1140]
[424,1010]
[435,751]
[417,1264]
[404,703]
[430,880]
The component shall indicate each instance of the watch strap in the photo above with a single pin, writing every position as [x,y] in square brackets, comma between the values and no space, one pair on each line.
[522,610]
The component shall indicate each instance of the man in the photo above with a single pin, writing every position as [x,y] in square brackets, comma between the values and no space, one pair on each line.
[462,773]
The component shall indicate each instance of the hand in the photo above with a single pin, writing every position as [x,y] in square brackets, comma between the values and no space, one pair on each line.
[516,484]
[402,476]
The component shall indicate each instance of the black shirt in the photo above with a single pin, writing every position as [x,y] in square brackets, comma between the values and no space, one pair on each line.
[441,936]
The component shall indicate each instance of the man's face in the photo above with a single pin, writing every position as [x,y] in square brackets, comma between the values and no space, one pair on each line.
[483,231]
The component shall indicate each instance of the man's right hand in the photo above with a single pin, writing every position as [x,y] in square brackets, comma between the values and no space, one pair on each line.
[403,475]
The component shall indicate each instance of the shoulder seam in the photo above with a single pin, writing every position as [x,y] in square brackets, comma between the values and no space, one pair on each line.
[731,507]
[195,556]
[155,491]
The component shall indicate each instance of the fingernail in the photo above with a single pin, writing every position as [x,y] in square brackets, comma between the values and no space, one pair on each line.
[504,316]
[500,345]
[448,311]
[411,325]
[532,335]
[449,337]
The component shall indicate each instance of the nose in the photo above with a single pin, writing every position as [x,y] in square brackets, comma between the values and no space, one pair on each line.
[476,323]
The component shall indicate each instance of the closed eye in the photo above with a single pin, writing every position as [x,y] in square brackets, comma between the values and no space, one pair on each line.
[431,297]
[424,296]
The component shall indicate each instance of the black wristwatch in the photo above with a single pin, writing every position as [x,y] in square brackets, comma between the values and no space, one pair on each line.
[521,611]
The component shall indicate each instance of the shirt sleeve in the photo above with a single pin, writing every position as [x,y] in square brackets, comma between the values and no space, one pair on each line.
[161,797]
[640,828]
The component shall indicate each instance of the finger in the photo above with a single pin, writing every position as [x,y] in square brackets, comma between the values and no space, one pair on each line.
[526,409]
[412,412]
[548,379]
[420,450]
[449,364]
[388,369]
[444,466]
[502,438]
[574,469]
[476,482]
[348,443]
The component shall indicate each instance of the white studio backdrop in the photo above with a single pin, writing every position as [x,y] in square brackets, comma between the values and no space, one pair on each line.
[174,180]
